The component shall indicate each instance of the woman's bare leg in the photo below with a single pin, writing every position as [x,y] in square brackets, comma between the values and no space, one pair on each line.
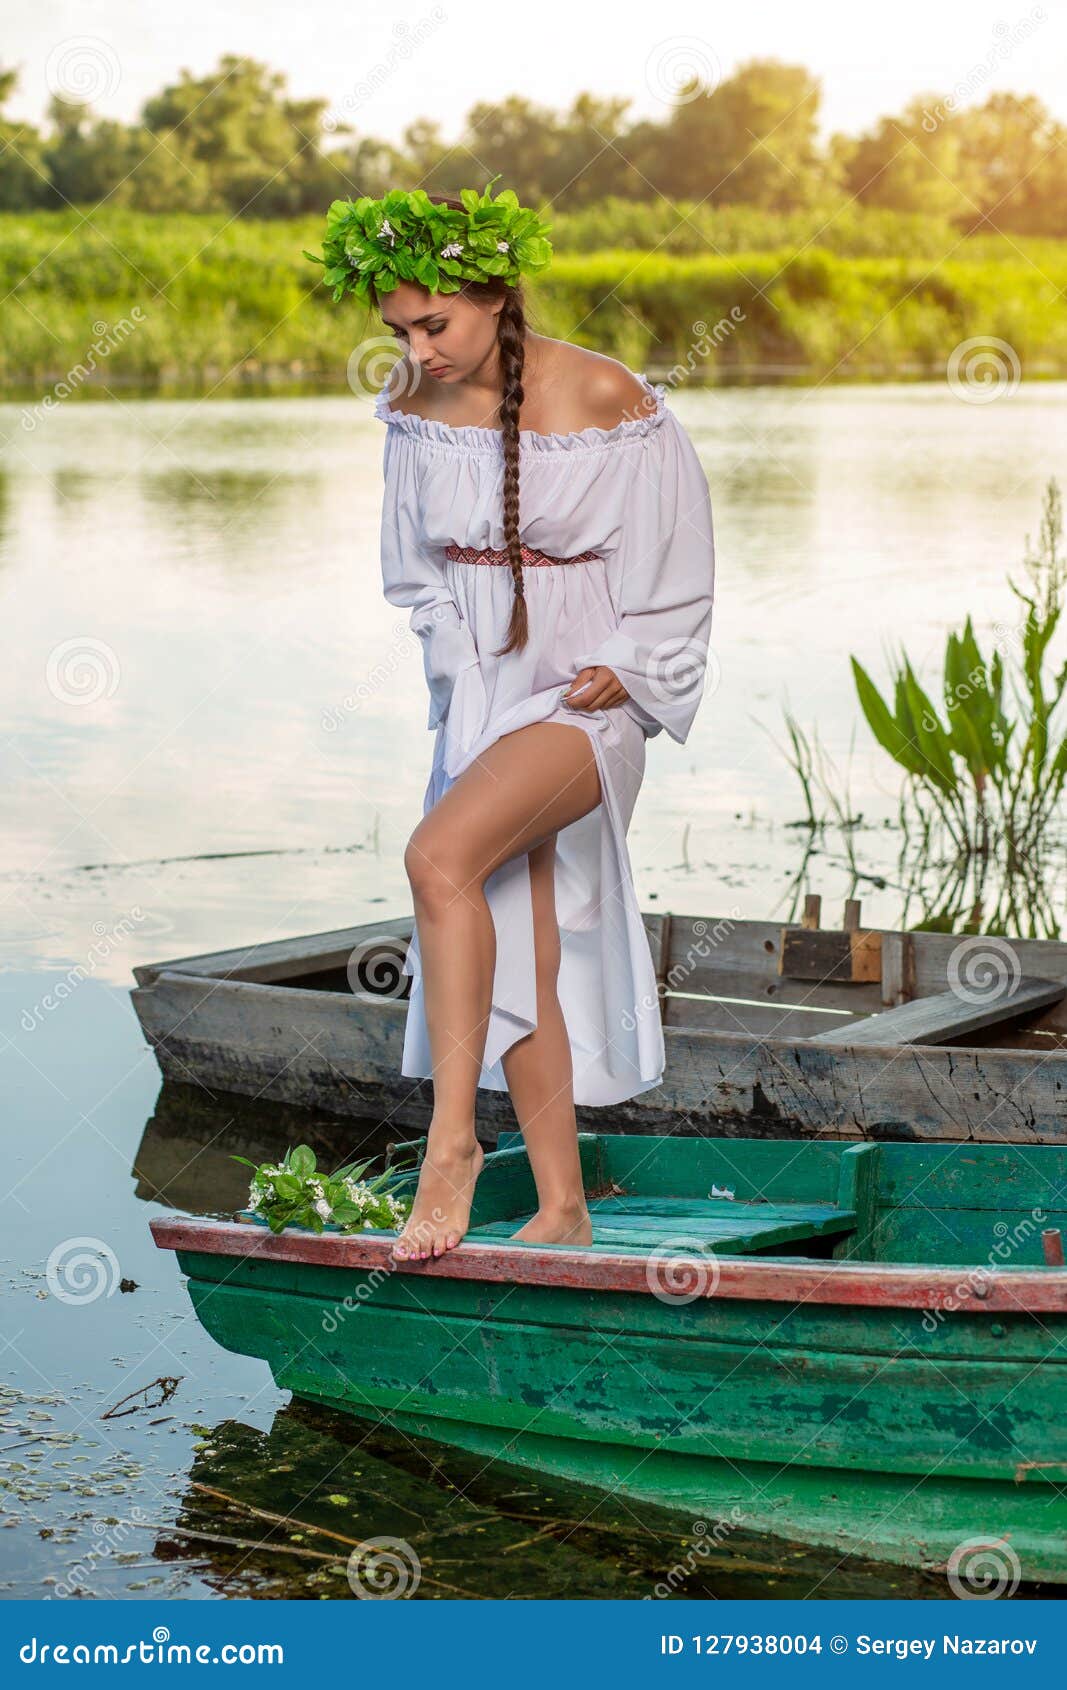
[541,1082]
[513,797]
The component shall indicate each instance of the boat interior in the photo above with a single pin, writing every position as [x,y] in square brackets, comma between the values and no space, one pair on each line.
[795,981]
[938,1204]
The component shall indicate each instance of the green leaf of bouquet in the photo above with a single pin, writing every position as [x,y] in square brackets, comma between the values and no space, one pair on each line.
[426,272]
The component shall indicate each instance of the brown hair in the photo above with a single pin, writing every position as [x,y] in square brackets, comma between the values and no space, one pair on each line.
[511,340]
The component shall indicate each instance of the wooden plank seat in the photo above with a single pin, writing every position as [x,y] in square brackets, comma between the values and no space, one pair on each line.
[664,1223]
[945,1015]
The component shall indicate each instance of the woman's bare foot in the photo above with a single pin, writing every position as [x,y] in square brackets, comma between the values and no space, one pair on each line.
[442,1205]
[566,1225]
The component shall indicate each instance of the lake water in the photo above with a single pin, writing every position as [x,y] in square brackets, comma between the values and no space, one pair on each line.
[191,600]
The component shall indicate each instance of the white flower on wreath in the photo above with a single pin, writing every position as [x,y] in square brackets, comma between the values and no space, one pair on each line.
[502,246]
[323,1209]
[454,249]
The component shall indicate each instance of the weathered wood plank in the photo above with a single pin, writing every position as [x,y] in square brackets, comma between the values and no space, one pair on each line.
[945,1016]
[281,959]
[725,957]
[877,1285]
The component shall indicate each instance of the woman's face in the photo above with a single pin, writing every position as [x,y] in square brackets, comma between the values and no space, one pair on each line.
[449,336]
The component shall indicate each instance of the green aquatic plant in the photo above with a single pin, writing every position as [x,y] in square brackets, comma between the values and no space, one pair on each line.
[979,815]
[294,1192]
[990,763]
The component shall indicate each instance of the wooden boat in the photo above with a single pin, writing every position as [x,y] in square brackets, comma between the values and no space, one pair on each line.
[788,1030]
[852,1346]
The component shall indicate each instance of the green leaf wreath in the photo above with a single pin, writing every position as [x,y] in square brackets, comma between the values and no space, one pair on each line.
[405,237]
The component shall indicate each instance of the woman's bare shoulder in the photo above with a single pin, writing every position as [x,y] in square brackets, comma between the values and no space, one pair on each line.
[611,393]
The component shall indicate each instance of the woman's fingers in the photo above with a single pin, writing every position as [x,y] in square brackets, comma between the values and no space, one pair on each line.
[581,679]
[596,689]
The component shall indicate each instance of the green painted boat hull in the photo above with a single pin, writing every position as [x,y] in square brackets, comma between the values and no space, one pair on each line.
[895,1392]
[802,1418]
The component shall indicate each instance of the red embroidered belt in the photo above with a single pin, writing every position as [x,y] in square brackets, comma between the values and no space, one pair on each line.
[472,554]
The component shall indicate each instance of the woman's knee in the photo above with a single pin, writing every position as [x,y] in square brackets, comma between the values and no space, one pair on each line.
[437,871]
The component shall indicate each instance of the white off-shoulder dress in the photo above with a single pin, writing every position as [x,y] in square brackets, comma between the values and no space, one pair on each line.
[631,504]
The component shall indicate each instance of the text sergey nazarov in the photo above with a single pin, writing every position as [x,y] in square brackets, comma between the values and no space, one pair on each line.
[786,1643]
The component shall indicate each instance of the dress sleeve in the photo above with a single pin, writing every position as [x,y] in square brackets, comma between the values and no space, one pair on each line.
[661,575]
[411,577]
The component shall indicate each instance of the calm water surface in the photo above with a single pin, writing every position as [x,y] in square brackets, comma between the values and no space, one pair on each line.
[214,734]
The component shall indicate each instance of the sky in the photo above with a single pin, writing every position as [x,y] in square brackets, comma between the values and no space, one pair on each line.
[384,65]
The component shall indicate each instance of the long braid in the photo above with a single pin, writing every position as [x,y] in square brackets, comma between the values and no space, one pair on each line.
[511,323]
[511,340]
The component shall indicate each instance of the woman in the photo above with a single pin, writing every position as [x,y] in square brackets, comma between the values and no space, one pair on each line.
[547,520]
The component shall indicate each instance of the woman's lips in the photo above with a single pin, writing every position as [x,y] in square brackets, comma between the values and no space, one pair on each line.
[436,369]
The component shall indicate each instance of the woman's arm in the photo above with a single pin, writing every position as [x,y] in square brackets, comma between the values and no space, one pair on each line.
[412,578]
[661,573]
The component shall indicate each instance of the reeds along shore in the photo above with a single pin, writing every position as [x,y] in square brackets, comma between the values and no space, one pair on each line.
[138,300]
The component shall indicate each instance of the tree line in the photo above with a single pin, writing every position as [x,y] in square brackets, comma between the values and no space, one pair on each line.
[236,142]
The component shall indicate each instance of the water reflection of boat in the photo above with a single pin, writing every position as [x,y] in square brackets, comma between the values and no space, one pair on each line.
[185,1155]
[859,1347]
[770,1029]
[278,1513]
